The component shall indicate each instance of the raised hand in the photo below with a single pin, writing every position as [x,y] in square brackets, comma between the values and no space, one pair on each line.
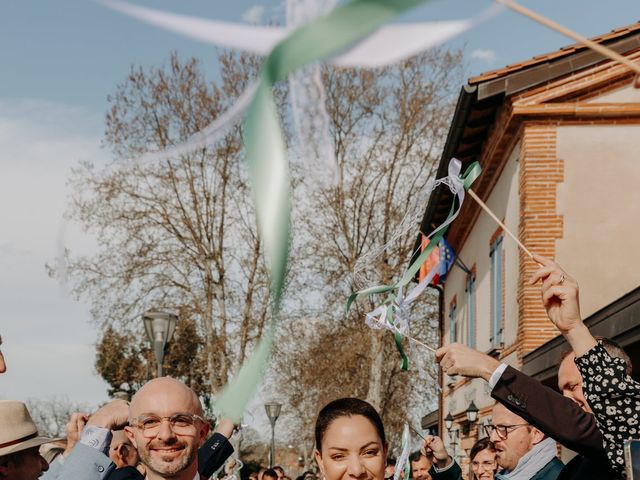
[433,448]
[76,423]
[561,301]
[114,415]
[458,359]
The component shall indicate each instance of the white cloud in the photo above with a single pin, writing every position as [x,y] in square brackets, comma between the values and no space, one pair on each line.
[254,14]
[47,336]
[487,55]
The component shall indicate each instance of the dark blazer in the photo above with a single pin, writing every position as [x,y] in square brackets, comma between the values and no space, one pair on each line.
[452,473]
[559,418]
[211,456]
[550,471]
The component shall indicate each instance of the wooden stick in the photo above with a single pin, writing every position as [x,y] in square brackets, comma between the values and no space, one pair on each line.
[607,52]
[492,215]
[431,349]
[415,431]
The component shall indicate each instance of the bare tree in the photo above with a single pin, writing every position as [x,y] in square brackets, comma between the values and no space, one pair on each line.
[51,415]
[126,364]
[178,234]
[388,127]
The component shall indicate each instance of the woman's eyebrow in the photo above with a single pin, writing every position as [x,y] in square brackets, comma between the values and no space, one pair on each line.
[368,445]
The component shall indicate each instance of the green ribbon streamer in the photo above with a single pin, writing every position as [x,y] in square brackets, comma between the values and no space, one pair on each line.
[471,173]
[267,162]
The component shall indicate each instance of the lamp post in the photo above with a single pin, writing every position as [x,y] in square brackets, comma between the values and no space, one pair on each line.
[448,421]
[160,327]
[472,416]
[273,412]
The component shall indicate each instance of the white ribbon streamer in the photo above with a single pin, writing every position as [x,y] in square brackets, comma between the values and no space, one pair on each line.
[403,460]
[389,44]
[400,322]
[311,122]
[208,135]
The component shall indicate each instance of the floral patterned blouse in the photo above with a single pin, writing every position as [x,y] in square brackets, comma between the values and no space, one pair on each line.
[614,398]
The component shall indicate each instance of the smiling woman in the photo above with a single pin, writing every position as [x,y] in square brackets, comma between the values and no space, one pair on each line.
[350,441]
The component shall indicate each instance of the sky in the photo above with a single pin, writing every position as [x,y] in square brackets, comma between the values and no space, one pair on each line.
[60,61]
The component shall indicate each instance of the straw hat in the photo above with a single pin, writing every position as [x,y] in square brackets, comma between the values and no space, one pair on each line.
[17,430]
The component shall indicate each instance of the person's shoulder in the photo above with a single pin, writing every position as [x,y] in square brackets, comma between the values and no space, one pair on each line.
[126,473]
[550,471]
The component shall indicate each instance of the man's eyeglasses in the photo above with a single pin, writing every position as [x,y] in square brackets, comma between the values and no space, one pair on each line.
[181,423]
[502,430]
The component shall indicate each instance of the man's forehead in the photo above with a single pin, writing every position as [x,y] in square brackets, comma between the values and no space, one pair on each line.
[421,460]
[502,415]
[164,396]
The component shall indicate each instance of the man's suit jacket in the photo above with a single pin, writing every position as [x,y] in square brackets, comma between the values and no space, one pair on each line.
[559,418]
[83,463]
[211,456]
[452,473]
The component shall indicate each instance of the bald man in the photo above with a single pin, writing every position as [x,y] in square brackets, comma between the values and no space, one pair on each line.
[165,426]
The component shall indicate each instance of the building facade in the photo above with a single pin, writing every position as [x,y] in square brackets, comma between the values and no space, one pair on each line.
[558,138]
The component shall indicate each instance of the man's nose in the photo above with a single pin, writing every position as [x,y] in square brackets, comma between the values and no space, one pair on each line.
[166,431]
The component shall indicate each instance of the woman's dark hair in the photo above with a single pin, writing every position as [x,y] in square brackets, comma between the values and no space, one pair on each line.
[346,407]
[482,444]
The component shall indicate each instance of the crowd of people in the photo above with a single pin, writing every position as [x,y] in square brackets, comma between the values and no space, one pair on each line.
[162,432]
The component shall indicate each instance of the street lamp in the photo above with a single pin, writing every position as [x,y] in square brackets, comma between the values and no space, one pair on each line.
[472,412]
[472,416]
[159,327]
[448,421]
[273,412]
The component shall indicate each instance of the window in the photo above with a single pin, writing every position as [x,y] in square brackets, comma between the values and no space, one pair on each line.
[453,323]
[496,292]
[471,310]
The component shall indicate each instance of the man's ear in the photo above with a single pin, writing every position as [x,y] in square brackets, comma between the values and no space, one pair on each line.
[132,438]
[204,431]
[537,436]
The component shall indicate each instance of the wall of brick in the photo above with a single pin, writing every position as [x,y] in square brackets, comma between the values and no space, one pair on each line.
[540,227]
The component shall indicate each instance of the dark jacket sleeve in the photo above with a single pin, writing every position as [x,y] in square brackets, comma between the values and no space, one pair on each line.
[555,415]
[454,472]
[126,473]
[213,454]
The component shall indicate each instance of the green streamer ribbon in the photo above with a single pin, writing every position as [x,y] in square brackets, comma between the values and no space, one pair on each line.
[267,162]
[393,301]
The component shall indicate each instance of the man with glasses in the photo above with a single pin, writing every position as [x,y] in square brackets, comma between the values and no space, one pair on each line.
[165,424]
[167,427]
[522,451]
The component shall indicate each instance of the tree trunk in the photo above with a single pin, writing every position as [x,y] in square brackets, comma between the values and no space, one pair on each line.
[374,393]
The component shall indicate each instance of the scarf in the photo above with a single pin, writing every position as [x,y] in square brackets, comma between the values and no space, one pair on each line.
[532,461]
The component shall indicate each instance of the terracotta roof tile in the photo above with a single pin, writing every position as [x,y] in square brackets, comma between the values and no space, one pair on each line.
[564,51]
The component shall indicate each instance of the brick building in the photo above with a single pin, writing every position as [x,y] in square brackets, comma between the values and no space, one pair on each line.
[558,138]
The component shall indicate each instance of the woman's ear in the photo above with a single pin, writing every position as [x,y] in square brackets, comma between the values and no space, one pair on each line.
[318,456]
